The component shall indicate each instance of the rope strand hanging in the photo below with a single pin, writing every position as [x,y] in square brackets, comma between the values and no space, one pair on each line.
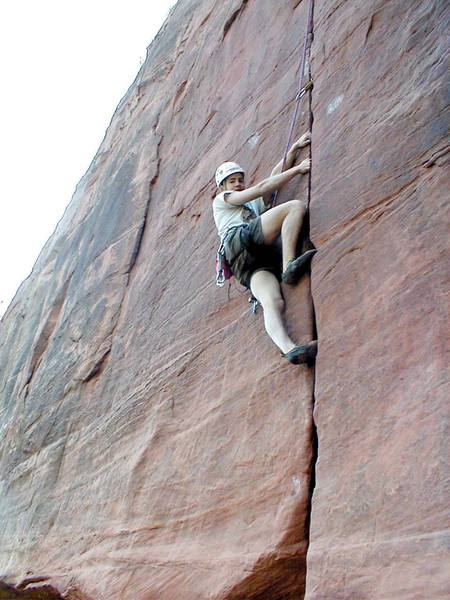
[302,88]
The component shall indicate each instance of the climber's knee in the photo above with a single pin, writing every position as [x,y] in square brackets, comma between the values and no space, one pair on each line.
[297,205]
[266,288]
[273,303]
[278,304]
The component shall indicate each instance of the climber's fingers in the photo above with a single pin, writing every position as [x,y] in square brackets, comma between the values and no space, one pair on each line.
[303,141]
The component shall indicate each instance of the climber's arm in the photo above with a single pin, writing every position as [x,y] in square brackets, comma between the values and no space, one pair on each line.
[302,141]
[267,186]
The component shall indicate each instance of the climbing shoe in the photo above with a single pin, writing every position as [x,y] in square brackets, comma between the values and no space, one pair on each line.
[302,354]
[296,267]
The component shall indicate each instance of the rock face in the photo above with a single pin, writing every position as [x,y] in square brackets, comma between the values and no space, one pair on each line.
[379,217]
[155,445]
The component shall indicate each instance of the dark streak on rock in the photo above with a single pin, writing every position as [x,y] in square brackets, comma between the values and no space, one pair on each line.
[232,19]
[211,115]
[179,93]
[29,580]
[98,367]
[369,29]
[42,343]
[435,159]
[205,20]
[140,235]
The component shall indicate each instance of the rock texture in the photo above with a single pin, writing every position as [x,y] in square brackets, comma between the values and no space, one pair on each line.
[154,444]
[380,219]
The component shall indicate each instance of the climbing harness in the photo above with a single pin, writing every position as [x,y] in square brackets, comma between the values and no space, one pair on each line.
[302,89]
[224,273]
[223,270]
[223,267]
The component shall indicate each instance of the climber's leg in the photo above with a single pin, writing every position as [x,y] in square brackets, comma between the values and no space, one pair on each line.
[285,219]
[266,289]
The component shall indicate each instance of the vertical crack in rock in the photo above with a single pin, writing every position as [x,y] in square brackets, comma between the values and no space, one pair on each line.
[281,575]
[314,436]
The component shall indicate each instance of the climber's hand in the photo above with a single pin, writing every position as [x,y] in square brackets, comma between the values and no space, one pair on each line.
[291,156]
[302,141]
[304,166]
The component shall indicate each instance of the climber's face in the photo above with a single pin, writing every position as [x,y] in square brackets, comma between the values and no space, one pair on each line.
[234,183]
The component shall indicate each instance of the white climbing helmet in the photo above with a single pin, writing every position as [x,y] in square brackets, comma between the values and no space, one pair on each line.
[226,169]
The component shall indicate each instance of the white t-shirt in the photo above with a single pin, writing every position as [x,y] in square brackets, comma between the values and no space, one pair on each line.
[227,215]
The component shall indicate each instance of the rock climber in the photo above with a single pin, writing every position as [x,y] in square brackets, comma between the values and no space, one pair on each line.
[248,228]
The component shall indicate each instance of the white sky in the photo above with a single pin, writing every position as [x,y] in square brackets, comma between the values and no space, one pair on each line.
[65,65]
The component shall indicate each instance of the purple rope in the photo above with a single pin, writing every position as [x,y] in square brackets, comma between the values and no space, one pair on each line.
[299,95]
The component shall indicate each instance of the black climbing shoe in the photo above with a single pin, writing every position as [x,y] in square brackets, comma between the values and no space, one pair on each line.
[296,267]
[302,354]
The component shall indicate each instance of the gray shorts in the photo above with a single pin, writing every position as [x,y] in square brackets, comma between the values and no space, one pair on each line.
[247,253]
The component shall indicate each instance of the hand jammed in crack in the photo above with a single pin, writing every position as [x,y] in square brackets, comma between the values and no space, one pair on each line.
[302,141]
[248,228]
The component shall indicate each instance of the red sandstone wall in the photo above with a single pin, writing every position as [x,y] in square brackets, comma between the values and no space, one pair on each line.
[379,218]
[155,445]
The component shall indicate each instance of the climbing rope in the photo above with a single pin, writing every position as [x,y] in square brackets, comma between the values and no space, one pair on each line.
[302,88]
